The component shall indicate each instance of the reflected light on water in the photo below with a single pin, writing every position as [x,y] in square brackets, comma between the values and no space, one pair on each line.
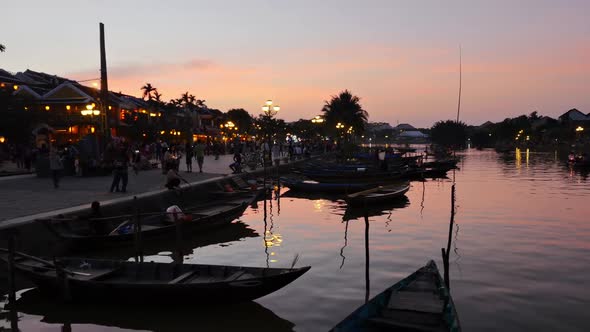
[319,204]
[518,158]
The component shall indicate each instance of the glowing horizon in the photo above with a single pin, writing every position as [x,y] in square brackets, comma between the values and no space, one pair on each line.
[401,61]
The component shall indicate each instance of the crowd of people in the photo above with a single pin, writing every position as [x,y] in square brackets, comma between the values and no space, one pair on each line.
[120,155]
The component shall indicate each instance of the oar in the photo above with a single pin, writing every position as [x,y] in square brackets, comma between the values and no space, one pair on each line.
[45,262]
[295,259]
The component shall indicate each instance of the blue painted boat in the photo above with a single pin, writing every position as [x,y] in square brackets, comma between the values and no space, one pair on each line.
[420,302]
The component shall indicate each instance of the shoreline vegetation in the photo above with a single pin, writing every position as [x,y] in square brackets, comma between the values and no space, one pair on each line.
[342,118]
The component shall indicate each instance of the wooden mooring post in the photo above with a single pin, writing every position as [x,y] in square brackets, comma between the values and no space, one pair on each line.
[367,278]
[137,232]
[63,280]
[11,281]
[179,250]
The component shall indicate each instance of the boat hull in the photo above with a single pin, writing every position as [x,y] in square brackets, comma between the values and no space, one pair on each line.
[381,313]
[123,281]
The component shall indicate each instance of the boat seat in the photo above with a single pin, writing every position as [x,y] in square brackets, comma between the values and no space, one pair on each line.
[183,277]
[234,276]
[394,325]
[416,301]
[240,182]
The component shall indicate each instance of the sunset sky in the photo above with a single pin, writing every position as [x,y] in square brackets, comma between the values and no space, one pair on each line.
[400,57]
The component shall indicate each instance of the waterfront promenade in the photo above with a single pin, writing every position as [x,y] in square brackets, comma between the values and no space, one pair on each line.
[26,197]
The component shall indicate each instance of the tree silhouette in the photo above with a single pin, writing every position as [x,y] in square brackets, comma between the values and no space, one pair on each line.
[157,97]
[241,118]
[345,108]
[2,48]
[449,133]
[147,91]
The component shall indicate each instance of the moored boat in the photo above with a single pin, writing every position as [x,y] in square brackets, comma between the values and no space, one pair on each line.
[120,230]
[420,302]
[96,280]
[312,186]
[378,194]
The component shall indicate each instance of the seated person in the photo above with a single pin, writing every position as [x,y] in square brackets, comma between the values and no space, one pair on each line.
[173,179]
[97,226]
[236,167]
[174,213]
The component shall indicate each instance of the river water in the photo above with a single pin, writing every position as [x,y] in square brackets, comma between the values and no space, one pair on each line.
[520,255]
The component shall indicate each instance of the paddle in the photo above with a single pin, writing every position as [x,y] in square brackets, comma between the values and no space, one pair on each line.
[45,262]
[295,259]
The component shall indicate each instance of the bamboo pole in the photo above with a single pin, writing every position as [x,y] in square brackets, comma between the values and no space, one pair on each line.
[63,281]
[137,232]
[11,283]
[178,224]
[367,279]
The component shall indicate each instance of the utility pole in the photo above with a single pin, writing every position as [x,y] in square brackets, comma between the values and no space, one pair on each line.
[104,89]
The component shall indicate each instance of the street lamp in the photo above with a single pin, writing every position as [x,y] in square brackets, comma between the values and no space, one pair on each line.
[579,129]
[269,110]
[90,111]
[317,119]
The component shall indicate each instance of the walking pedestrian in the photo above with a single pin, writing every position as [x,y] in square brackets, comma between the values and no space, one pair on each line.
[56,166]
[120,174]
[189,157]
[200,154]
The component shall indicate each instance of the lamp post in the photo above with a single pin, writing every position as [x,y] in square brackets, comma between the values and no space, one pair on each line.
[579,131]
[318,120]
[90,111]
[340,127]
[269,110]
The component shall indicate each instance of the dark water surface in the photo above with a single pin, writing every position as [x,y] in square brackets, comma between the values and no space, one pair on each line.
[520,256]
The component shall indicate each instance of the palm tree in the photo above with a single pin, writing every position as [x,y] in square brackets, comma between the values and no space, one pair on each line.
[345,108]
[185,98]
[2,48]
[157,97]
[147,91]
[200,103]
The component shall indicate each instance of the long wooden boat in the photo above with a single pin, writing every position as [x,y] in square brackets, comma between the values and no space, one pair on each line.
[96,280]
[420,302]
[120,230]
[378,194]
[379,209]
[365,175]
[312,186]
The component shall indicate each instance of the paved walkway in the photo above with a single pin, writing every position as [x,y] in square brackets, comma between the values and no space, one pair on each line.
[25,195]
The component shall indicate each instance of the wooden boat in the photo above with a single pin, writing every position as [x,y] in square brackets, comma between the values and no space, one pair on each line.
[365,175]
[232,232]
[312,186]
[579,163]
[378,209]
[420,302]
[441,163]
[378,194]
[116,281]
[119,230]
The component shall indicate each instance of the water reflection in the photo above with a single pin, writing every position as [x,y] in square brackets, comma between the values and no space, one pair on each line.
[235,231]
[272,238]
[352,213]
[248,316]
[345,243]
